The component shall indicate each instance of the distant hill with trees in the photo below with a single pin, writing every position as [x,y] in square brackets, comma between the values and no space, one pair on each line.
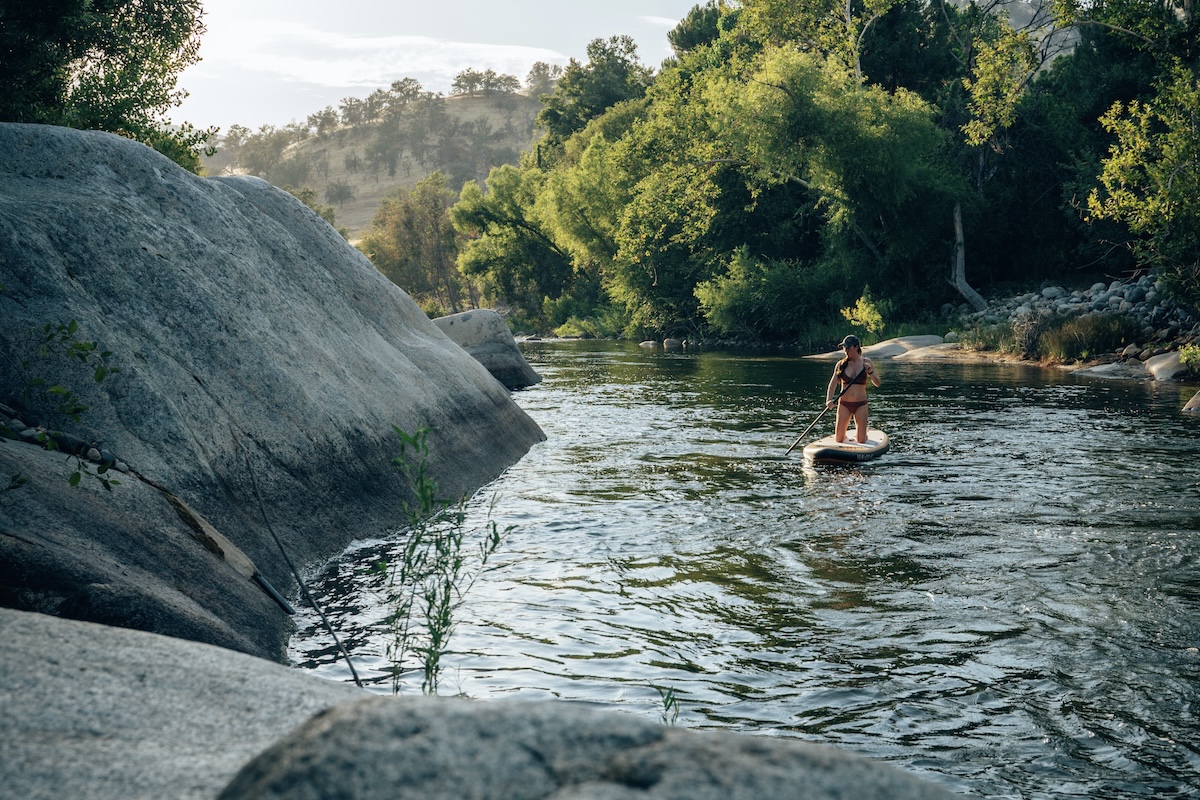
[353,156]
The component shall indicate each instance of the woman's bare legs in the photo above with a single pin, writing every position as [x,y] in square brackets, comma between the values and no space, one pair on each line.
[860,423]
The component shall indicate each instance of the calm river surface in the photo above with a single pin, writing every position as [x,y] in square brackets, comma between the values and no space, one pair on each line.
[1008,603]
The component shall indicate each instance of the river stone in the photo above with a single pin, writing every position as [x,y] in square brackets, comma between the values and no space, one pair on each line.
[105,713]
[445,749]
[485,336]
[1166,367]
[263,360]
[1193,405]
[1053,292]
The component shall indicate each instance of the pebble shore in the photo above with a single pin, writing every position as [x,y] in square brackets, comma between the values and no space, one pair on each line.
[1165,324]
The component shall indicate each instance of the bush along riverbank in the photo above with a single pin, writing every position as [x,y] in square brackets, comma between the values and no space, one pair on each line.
[1121,320]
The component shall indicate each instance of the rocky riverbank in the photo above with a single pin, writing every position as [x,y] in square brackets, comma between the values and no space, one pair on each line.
[1164,325]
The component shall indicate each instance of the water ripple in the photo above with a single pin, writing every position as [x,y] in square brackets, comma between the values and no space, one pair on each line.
[1006,603]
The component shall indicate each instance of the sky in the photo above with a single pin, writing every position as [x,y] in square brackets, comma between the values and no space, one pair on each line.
[269,62]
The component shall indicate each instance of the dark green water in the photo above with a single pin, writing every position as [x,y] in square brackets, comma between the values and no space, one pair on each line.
[1008,603]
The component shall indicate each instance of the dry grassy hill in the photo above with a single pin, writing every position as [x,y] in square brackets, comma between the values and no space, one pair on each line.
[464,140]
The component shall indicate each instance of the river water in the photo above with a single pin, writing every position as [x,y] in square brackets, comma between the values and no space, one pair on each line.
[1007,603]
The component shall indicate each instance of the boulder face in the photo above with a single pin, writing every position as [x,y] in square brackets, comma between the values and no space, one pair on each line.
[112,714]
[262,361]
[381,748]
[486,338]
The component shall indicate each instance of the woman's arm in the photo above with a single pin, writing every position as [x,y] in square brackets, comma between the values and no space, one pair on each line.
[831,389]
[871,374]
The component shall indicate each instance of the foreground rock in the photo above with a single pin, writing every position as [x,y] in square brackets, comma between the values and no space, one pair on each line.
[486,338]
[111,714]
[263,362]
[381,749]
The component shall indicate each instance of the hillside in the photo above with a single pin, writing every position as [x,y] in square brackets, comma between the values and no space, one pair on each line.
[463,136]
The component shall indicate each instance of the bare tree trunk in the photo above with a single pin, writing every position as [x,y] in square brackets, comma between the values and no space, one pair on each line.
[959,279]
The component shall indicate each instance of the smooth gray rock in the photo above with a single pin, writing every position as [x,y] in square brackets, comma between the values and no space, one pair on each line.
[441,749]
[104,713]
[486,338]
[124,557]
[1193,405]
[263,360]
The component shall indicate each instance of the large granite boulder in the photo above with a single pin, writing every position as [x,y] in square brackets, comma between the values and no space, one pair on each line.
[114,714]
[485,336]
[381,749]
[262,364]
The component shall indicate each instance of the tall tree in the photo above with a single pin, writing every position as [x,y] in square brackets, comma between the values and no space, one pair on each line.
[511,250]
[1150,179]
[108,65]
[413,242]
[612,74]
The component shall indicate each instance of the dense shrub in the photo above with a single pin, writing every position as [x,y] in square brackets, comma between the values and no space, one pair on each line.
[1084,337]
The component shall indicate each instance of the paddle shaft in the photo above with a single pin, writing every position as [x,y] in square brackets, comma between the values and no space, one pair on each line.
[818,419]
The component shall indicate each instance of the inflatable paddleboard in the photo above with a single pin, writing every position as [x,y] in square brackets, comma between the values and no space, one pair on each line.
[828,451]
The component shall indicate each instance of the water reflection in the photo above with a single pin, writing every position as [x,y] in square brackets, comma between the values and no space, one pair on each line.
[1006,603]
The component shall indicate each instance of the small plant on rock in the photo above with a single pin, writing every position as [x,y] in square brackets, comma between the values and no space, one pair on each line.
[427,584]
[57,341]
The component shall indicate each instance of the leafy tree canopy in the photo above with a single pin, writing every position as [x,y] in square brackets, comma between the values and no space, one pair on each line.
[612,74]
[108,65]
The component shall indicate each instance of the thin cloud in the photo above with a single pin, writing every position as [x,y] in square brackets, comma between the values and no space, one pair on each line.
[662,22]
[302,54]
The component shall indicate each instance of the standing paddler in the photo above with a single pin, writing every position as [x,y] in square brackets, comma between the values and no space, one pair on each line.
[852,373]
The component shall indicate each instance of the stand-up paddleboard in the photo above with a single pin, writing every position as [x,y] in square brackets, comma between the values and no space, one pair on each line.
[828,450]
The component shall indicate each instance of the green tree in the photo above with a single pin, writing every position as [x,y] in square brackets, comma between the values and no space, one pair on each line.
[110,66]
[413,242]
[701,26]
[467,82]
[1151,177]
[542,78]
[510,249]
[585,91]
[339,193]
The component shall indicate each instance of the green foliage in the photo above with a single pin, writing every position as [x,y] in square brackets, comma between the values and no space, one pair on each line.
[413,242]
[61,341]
[109,66]
[867,313]
[1189,356]
[996,337]
[700,27]
[1027,331]
[1151,178]
[54,344]
[1087,336]
[436,569]
[510,251]
[612,74]
[670,705]
[772,299]
[339,193]
[792,152]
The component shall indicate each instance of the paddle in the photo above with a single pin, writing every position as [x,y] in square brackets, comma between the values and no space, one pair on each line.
[818,419]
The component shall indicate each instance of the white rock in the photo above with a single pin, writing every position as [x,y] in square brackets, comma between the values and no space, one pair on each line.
[1165,367]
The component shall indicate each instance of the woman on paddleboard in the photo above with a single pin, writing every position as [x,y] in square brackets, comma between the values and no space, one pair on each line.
[852,374]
